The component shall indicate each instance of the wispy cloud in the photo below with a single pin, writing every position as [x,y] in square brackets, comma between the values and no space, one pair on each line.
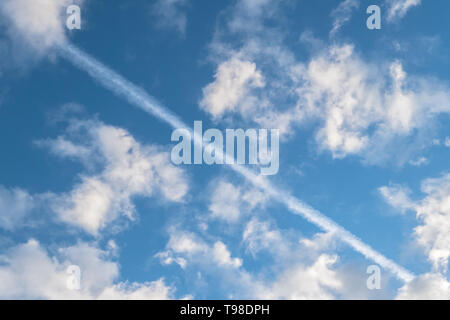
[342,14]
[399,8]
[15,205]
[170,14]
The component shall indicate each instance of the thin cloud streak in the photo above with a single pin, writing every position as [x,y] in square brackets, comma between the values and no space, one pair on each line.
[139,98]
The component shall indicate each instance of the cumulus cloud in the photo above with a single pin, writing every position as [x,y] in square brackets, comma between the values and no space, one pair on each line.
[186,248]
[229,202]
[15,205]
[430,286]
[39,22]
[303,268]
[373,110]
[294,267]
[27,271]
[397,196]
[364,110]
[433,211]
[123,169]
[318,282]
[234,79]
[357,107]
[259,235]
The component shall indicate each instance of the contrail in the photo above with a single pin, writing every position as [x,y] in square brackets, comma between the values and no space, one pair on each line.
[141,99]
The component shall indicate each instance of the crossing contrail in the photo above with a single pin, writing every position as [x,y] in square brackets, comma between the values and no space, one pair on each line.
[141,99]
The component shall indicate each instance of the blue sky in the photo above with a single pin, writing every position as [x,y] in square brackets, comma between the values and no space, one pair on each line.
[86,177]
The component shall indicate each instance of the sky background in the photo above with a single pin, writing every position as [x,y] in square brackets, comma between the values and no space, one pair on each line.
[86,178]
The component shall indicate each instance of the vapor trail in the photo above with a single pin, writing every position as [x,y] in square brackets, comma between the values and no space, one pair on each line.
[138,97]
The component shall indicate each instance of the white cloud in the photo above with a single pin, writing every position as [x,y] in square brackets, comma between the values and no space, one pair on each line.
[303,270]
[186,243]
[430,286]
[419,162]
[225,202]
[65,148]
[373,110]
[397,196]
[169,14]
[129,169]
[229,202]
[241,86]
[15,204]
[156,290]
[447,142]
[283,265]
[342,14]
[39,22]
[28,272]
[318,281]
[363,110]
[248,15]
[258,235]
[222,256]
[398,8]
[234,79]
[186,248]
[433,211]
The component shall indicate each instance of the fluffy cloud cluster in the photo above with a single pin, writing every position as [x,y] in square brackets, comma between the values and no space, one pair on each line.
[233,81]
[27,271]
[358,107]
[258,235]
[317,282]
[430,286]
[397,196]
[304,268]
[292,268]
[127,169]
[39,22]
[365,111]
[228,202]
[355,107]
[433,211]
[186,247]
